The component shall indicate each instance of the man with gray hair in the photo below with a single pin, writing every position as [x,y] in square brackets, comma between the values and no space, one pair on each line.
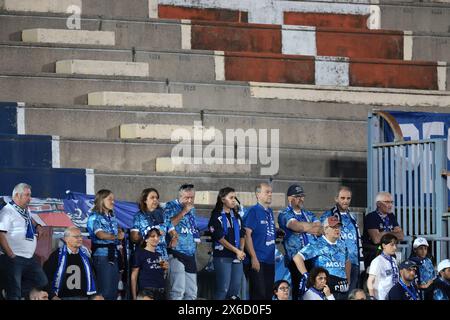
[69,269]
[182,263]
[378,223]
[18,240]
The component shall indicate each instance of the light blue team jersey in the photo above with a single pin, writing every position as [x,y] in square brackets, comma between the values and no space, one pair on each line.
[103,222]
[326,255]
[426,271]
[143,220]
[185,229]
[348,234]
[293,242]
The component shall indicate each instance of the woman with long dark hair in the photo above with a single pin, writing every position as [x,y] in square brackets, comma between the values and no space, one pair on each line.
[152,215]
[105,236]
[317,284]
[228,235]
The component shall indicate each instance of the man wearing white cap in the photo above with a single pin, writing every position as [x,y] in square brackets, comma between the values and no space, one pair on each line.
[441,286]
[425,273]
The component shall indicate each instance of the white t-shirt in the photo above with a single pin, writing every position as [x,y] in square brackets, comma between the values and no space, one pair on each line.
[382,270]
[16,228]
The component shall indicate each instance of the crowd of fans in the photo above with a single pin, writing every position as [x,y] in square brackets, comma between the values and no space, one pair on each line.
[328,258]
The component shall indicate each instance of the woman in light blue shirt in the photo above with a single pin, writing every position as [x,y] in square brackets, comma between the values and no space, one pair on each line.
[105,236]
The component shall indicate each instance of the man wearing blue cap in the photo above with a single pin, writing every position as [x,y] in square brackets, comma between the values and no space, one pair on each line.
[300,227]
[405,289]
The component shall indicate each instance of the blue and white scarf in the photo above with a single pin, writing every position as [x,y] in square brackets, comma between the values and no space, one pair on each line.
[386,226]
[270,231]
[26,215]
[236,227]
[61,268]
[412,293]
[321,294]
[395,272]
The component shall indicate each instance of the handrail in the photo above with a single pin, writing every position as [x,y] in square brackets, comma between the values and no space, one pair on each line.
[393,124]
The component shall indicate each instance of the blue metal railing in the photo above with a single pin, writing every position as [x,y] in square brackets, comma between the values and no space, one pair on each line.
[412,172]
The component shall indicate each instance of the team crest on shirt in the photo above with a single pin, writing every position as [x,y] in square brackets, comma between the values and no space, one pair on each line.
[211,229]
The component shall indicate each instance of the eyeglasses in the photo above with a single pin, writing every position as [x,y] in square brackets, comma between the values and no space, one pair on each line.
[283,288]
[388,202]
[186,186]
[338,226]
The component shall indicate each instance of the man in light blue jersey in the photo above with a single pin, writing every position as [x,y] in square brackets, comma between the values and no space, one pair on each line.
[182,264]
[301,227]
[350,233]
[329,252]
[260,245]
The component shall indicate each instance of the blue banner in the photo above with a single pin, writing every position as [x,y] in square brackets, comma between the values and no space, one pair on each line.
[421,126]
[78,206]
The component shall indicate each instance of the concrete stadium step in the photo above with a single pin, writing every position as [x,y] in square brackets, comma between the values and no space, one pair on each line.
[48,182]
[204,14]
[430,17]
[189,165]
[267,11]
[141,156]
[353,43]
[101,67]
[247,199]
[335,71]
[377,96]
[156,34]
[108,8]
[89,122]
[433,17]
[174,65]
[141,99]
[163,131]
[44,6]
[235,96]
[142,34]
[41,35]
[102,123]
[320,191]
[316,101]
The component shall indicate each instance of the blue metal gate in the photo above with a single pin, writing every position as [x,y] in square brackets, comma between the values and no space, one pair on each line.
[413,172]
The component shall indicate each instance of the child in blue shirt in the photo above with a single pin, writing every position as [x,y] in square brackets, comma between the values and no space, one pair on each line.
[426,273]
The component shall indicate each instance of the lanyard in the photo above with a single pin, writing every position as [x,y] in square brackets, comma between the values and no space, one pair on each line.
[412,293]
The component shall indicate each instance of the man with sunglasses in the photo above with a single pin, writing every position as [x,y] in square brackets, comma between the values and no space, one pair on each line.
[376,224]
[182,264]
[301,227]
